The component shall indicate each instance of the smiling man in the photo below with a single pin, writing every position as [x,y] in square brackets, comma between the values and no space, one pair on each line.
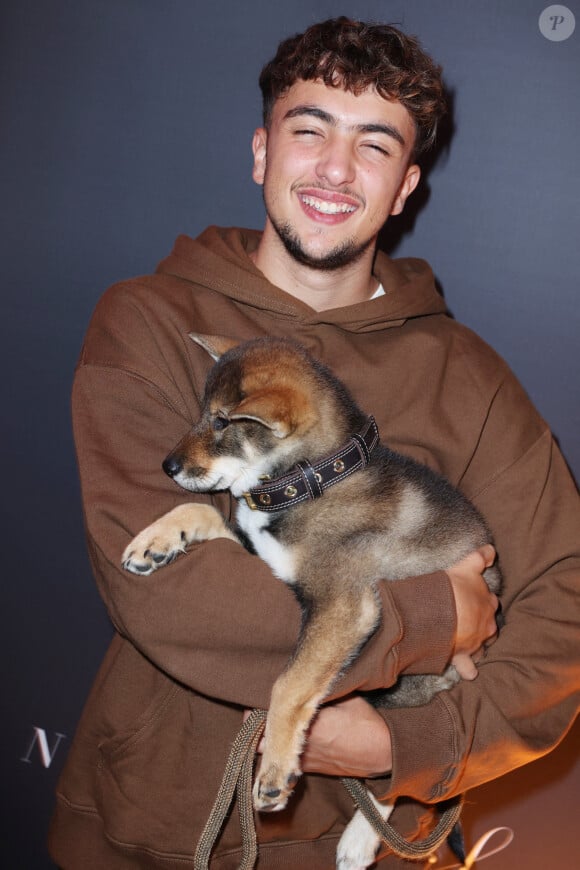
[349,108]
[334,166]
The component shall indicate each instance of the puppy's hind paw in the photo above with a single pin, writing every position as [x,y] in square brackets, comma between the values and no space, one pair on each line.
[359,843]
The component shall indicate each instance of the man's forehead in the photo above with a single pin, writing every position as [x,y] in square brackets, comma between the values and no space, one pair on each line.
[367,109]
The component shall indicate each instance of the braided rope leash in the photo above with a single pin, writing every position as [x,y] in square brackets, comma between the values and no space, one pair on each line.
[401,847]
[237,780]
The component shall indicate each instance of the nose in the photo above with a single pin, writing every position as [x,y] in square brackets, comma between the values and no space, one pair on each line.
[172,465]
[336,162]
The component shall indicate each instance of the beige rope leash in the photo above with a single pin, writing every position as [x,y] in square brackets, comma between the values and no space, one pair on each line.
[401,847]
[238,776]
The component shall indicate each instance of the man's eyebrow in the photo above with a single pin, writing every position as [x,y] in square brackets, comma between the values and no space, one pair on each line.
[387,129]
[312,111]
[327,118]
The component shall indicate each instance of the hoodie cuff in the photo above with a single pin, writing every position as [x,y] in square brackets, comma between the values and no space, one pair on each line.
[426,608]
[425,762]
[416,635]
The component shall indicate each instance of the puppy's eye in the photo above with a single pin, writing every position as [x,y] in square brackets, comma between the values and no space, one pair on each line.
[220,423]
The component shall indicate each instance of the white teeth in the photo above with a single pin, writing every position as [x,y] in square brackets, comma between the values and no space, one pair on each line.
[328,207]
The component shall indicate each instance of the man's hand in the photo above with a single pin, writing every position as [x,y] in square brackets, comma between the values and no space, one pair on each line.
[476,607]
[348,738]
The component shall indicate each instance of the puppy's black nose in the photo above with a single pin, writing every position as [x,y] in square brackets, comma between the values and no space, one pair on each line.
[172,465]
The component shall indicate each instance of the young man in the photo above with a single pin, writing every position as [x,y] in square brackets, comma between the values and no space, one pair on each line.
[348,109]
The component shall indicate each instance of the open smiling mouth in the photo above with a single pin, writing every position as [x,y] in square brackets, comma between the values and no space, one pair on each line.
[328,207]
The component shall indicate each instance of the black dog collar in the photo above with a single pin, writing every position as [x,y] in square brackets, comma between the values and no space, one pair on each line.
[306,482]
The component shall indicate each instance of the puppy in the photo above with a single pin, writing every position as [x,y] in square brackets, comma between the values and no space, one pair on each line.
[331,510]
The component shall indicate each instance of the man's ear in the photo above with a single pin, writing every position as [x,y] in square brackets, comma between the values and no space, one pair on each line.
[215,345]
[408,185]
[259,143]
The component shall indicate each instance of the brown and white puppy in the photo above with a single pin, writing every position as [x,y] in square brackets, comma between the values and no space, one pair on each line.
[269,405]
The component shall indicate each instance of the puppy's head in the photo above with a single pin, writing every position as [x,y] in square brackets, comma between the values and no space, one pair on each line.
[259,411]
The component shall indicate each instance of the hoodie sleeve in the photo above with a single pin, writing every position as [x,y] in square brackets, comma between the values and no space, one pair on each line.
[216,619]
[526,695]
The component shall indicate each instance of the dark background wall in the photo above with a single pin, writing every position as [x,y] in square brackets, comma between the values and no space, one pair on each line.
[125,122]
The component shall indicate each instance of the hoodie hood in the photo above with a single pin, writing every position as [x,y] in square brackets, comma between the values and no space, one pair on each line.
[218,259]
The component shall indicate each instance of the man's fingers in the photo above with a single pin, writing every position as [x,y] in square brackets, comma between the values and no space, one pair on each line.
[488,553]
[465,666]
[478,560]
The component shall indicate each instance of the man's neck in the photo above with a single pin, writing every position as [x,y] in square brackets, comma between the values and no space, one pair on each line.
[320,289]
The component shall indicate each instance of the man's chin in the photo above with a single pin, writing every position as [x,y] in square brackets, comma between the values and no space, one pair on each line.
[345,254]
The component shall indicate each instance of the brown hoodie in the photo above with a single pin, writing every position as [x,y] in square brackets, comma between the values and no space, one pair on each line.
[207,636]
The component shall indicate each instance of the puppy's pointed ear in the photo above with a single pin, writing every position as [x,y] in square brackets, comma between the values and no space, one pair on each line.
[215,345]
[273,408]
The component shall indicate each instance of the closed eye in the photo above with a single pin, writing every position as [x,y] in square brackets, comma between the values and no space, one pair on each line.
[306,131]
[374,147]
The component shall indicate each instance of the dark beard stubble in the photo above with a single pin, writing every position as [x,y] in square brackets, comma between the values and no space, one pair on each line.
[343,255]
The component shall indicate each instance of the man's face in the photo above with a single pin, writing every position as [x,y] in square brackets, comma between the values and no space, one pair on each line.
[334,166]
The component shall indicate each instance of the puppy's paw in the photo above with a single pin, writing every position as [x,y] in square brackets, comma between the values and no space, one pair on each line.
[358,845]
[154,547]
[162,541]
[273,788]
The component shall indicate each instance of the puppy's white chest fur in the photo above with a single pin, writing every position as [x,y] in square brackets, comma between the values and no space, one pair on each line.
[276,555]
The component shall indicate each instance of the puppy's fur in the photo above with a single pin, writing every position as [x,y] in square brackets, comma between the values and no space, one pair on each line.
[268,404]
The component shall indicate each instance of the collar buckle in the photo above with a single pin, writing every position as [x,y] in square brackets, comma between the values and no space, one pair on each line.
[250,501]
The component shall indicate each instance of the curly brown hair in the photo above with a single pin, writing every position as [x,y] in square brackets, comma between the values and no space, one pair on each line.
[355,55]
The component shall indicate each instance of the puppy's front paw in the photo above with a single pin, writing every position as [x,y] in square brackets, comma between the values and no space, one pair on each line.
[273,788]
[162,541]
[154,547]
